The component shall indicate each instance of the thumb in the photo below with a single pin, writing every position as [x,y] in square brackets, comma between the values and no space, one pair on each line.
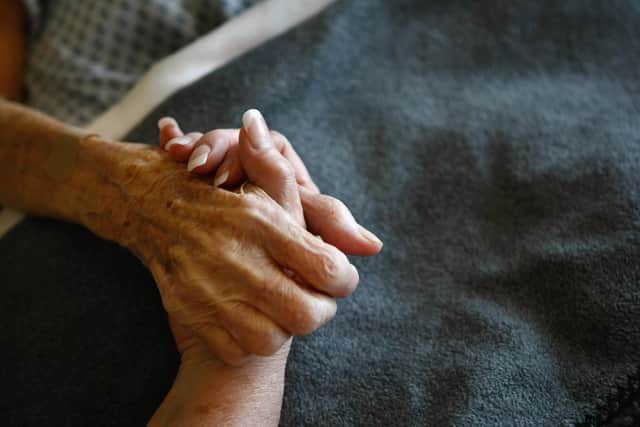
[265,166]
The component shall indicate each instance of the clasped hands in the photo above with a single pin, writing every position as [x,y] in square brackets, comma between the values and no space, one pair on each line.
[242,266]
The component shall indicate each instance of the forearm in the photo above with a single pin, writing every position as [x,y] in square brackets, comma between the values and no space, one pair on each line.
[51,169]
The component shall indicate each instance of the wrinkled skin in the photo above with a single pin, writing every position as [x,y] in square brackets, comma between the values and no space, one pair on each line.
[218,258]
[235,267]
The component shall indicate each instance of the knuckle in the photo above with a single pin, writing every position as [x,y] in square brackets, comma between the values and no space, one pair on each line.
[276,288]
[333,271]
[329,267]
[308,320]
[315,316]
[335,208]
[338,205]
[268,342]
[330,309]
[350,284]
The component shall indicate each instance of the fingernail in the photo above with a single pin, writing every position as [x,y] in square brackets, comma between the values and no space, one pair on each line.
[367,235]
[198,157]
[183,140]
[221,179]
[179,140]
[256,127]
[166,121]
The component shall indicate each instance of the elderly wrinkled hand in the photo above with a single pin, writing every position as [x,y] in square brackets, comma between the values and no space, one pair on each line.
[239,269]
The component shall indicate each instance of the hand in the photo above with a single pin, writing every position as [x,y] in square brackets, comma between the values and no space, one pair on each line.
[224,261]
[217,152]
[208,392]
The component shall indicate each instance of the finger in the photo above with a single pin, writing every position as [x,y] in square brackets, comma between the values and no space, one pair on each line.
[181,147]
[210,150]
[329,218]
[230,173]
[255,332]
[223,345]
[302,174]
[169,129]
[265,166]
[296,308]
[320,265]
[215,337]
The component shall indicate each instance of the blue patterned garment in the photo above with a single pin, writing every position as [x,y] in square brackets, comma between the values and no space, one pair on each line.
[83,56]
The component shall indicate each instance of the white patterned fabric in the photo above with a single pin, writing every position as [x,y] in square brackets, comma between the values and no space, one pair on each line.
[84,56]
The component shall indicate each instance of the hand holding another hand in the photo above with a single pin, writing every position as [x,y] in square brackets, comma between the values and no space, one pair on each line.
[217,153]
[239,269]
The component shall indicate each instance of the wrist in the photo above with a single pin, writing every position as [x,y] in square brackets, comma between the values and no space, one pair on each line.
[247,395]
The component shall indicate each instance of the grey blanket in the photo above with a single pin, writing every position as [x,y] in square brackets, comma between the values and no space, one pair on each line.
[493,145]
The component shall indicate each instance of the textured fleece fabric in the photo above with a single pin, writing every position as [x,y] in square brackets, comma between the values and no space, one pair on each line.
[493,145]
